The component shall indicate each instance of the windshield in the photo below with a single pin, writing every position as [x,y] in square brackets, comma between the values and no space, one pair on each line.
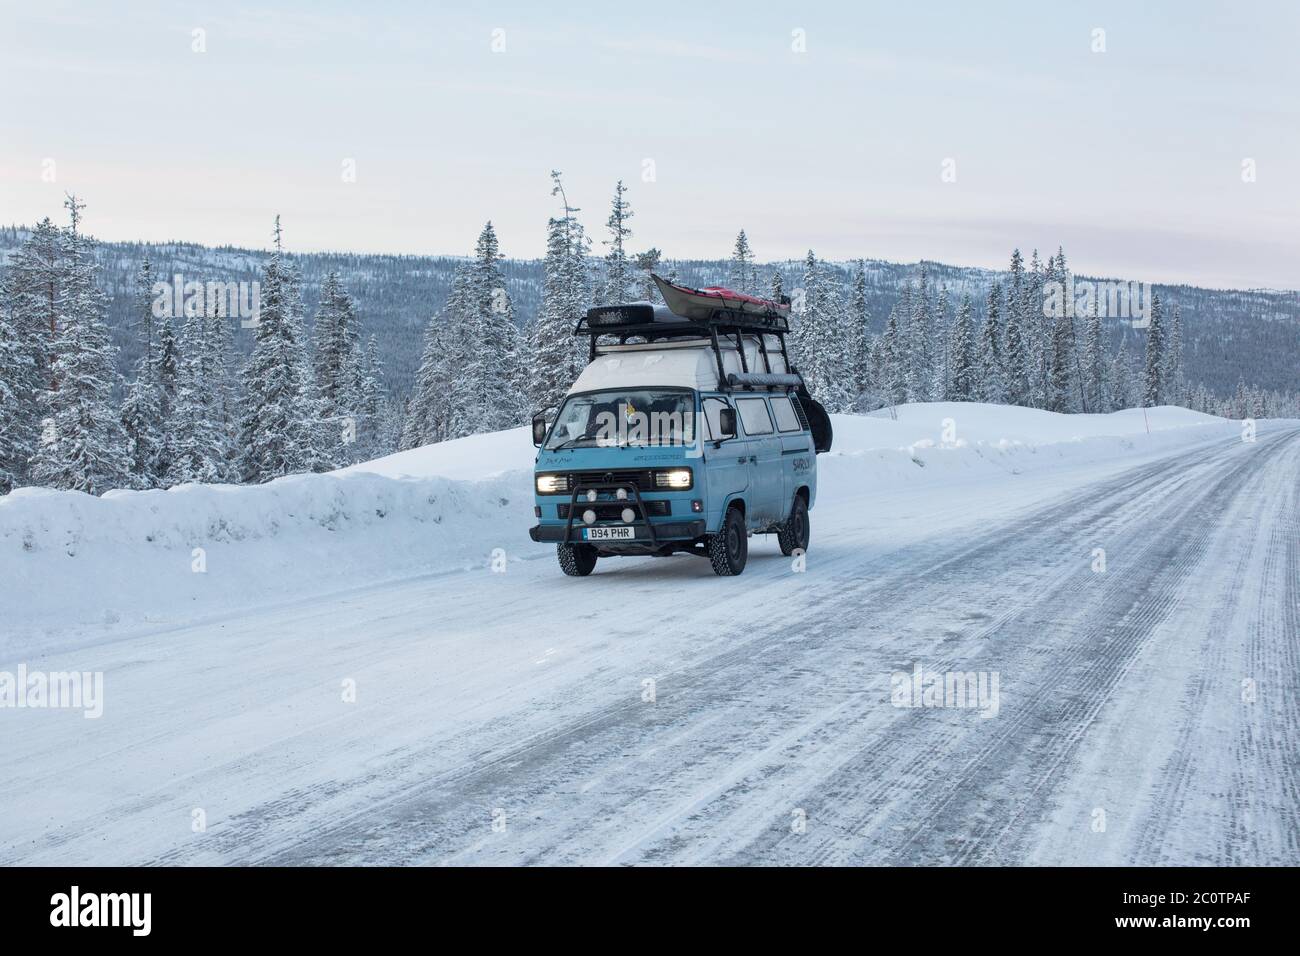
[636,417]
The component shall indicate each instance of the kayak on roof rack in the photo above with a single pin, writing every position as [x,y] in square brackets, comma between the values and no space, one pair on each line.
[701,304]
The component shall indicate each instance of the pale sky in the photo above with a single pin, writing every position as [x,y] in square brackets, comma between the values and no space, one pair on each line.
[1132,158]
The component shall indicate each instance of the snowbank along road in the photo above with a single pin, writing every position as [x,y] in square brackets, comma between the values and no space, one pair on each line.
[1124,638]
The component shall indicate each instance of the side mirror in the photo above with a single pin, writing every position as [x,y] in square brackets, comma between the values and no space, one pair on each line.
[539,430]
[726,423]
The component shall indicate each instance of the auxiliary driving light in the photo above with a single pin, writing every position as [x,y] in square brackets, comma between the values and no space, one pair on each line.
[674,479]
[589,516]
[628,515]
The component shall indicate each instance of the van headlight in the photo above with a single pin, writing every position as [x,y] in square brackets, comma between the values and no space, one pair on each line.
[552,484]
[674,479]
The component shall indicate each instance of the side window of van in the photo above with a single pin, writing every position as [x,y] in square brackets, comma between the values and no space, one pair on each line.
[712,409]
[754,416]
[786,419]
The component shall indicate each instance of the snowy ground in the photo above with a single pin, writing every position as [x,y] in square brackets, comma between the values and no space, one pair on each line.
[506,717]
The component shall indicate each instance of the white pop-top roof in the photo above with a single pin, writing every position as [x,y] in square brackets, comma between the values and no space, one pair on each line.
[689,364]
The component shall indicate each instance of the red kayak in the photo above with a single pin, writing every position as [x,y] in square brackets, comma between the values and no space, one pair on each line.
[702,303]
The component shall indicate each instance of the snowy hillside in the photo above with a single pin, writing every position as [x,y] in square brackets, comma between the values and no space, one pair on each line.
[81,566]
[396,295]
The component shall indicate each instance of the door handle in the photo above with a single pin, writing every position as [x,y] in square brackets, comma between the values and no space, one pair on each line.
[753,459]
[741,460]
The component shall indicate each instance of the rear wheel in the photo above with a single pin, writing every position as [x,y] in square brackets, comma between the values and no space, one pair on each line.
[796,530]
[576,560]
[729,548]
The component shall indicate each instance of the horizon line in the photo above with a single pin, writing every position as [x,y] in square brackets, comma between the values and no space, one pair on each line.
[320,251]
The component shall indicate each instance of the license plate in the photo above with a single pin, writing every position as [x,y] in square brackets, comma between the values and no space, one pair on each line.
[608,534]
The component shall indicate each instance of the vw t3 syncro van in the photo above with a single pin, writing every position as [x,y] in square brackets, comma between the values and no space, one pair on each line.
[688,431]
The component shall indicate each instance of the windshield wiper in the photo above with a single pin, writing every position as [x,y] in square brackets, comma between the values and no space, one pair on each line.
[569,441]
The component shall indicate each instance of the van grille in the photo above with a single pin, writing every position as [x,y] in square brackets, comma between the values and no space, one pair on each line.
[643,478]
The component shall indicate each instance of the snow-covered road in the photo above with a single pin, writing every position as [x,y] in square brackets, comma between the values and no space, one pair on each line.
[1146,713]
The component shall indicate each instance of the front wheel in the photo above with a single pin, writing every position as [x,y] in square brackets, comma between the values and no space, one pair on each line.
[796,530]
[729,548]
[576,560]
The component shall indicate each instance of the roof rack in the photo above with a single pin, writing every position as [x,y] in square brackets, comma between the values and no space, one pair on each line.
[643,321]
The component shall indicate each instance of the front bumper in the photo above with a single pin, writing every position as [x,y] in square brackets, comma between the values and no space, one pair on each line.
[664,531]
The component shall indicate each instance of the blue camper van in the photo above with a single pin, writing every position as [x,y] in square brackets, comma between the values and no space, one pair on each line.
[688,431]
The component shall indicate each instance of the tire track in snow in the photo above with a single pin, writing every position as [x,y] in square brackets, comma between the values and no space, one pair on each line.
[1258,798]
[940,795]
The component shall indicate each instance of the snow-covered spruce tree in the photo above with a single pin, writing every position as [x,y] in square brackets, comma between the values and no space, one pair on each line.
[557,354]
[1039,326]
[1121,380]
[1241,404]
[499,389]
[337,350]
[1056,385]
[941,341]
[742,275]
[820,339]
[274,429]
[336,364]
[445,401]
[82,447]
[1075,352]
[992,373]
[392,417]
[223,386]
[1019,335]
[804,340]
[195,450]
[370,441]
[142,409]
[15,446]
[319,440]
[963,370]
[29,302]
[776,286]
[1153,386]
[422,422]
[894,355]
[141,417]
[618,287]
[1060,371]
[859,337]
[468,398]
[1094,367]
[1172,372]
[168,361]
[919,341]
[143,307]
[647,264]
